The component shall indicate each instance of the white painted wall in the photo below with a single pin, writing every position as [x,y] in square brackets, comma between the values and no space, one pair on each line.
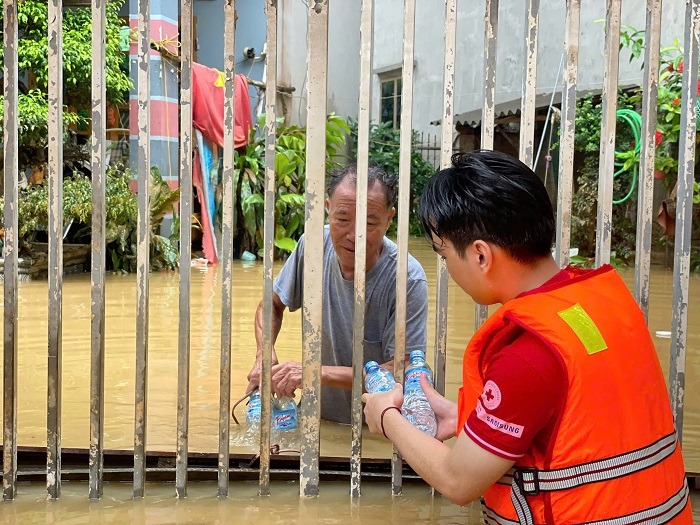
[343,56]
[429,44]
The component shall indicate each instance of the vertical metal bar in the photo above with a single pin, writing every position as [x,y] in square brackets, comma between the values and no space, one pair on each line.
[269,240]
[55,131]
[312,318]
[684,213]
[607,133]
[445,162]
[650,92]
[361,241]
[405,143]
[143,247]
[97,328]
[527,108]
[568,126]
[183,352]
[227,244]
[10,139]
[488,114]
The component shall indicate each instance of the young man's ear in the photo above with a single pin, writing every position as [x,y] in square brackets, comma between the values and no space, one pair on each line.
[485,253]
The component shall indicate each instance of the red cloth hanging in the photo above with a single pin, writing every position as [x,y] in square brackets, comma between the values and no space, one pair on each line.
[208,105]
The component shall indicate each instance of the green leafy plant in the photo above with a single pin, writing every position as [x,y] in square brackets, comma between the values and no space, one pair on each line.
[384,152]
[121,207]
[290,168]
[32,49]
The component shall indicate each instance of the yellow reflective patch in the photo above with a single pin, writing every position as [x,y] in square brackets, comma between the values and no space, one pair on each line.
[584,328]
[220,80]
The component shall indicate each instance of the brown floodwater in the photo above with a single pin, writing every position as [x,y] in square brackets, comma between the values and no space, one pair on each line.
[204,376]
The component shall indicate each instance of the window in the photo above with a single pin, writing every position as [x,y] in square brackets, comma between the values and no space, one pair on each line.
[390,102]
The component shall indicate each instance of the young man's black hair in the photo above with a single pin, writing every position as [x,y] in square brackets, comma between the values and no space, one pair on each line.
[490,196]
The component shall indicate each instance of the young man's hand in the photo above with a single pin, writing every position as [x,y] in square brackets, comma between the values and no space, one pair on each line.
[445,410]
[376,403]
[286,378]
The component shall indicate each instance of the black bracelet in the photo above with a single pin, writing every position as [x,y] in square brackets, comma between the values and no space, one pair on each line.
[381,418]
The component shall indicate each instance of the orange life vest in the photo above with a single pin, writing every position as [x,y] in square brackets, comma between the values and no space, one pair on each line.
[613,458]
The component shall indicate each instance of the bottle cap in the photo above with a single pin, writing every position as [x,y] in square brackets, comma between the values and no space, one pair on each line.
[371,366]
[417,355]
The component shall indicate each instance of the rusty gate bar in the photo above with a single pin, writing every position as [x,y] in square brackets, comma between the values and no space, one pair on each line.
[183,351]
[312,314]
[527,106]
[358,355]
[227,244]
[488,112]
[686,169]
[97,332]
[55,139]
[650,92]
[405,140]
[568,128]
[268,240]
[143,264]
[607,133]
[448,94]
[9,366]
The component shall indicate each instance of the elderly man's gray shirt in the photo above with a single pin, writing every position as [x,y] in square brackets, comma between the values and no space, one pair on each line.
[338,306]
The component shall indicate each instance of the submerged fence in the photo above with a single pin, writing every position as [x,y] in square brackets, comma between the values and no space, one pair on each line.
[317,62]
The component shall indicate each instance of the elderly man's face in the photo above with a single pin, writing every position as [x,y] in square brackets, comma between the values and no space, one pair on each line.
[341,218]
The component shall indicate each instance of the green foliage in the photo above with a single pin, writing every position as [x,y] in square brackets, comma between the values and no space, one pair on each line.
[587,142]
[669,100]
[32,50]
[290,167]
[384,152]
[121,207]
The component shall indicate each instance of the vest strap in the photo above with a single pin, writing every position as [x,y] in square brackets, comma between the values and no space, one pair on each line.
[531,481]
[657,515]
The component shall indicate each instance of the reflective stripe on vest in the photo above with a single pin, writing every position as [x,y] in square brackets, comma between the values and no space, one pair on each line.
[532,481]
[657,515]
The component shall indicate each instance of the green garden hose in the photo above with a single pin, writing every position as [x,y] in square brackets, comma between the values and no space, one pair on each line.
[635,122]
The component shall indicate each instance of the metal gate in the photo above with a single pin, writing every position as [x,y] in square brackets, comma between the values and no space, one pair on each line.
[317,61]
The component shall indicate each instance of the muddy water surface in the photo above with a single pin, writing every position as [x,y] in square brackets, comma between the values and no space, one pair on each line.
[205,346]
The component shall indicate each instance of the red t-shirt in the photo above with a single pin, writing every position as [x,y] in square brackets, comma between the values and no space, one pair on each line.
[524,386]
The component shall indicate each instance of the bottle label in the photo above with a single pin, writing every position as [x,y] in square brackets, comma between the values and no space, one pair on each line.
[412,379]
[285,419]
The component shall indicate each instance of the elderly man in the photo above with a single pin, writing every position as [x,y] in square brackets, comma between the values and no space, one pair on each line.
[338,295]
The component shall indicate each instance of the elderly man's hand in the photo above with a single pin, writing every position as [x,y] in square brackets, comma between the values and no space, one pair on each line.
[376,403]
[256,372]
[286,378]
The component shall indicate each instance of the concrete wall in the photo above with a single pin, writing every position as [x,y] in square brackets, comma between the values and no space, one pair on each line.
[429,44]
[250,32]
[343,57]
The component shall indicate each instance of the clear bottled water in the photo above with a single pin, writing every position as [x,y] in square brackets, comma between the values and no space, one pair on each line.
[415,405]
[285,423]
[252,416]
[377,379]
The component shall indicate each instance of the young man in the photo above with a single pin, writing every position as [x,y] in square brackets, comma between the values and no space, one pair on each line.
[564,415]
[339,296]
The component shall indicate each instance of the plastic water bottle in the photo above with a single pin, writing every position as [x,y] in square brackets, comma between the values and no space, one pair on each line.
[284,414]
[377,379]
[415,405]
[285,422]
[253,415]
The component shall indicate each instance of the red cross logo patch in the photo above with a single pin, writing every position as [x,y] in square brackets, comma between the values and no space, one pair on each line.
[491,395]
